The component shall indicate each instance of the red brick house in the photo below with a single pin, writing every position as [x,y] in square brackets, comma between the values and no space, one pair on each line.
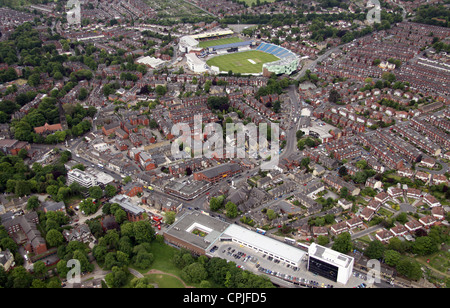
[215,174]
[47,128]
[132,189]
[110,128]
[24,231]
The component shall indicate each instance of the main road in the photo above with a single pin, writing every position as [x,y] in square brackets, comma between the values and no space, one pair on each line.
[291,138]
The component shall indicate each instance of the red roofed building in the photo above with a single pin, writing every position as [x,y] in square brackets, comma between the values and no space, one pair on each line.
[438,212]
[383,235]
[427,221]
[47,128]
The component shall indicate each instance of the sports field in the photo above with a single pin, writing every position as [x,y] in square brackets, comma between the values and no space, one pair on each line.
[223,41]
[250,62]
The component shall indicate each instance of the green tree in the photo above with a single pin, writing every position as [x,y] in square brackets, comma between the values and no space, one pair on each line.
[39,269]
[34,80]
[424,245]
[343,171]
[20,278]
[143,232]
[194,272]
[110,190]
[54,238]
[169,217]
[271,214]
[117,278]
[63,193]
[38,284]
[83,94]
[402,218]
[231,209]
[143,259]
[33,203]
[392,257]
[361,164]
[160,90]
[334,96]
[375,250]
[88,206]
[120,216]
[388,76]
[215,203]
[360,177]
[343,243]
[344,192]
[99,252]
[62,268]
[398,245]
[139,231]
[323,240]
[22,188]
[409,268]
[96,192]
[8,243]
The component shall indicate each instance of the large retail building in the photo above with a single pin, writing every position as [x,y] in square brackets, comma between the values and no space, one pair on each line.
[198,233]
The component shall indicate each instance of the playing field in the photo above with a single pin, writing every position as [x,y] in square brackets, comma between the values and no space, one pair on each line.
[223,41]
[250,62]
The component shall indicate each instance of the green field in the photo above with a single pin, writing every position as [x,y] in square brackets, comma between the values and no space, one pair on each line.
[223,41]
[164,281]
[239,62]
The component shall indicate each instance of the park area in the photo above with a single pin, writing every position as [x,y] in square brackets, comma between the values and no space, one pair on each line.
[247,62]
[163,273]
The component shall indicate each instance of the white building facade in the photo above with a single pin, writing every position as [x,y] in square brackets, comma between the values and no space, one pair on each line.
[329,263]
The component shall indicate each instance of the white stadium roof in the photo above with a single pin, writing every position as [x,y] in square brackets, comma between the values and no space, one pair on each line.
[150,61]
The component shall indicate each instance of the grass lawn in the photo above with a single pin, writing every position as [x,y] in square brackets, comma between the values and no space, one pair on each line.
[165,281]
[163,255]
[385,212]
[439,261]
[239,62]
[223,41]
[365,239]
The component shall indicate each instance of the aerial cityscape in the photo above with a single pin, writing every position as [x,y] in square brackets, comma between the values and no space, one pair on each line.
[225,144]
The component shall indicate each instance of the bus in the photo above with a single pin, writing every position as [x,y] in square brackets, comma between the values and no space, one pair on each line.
[289,240]
[260,231]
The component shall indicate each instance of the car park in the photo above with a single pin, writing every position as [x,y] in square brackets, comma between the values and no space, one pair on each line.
[269,265]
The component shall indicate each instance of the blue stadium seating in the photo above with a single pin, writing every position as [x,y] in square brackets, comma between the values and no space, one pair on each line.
[271,49]
[275,50]
[264,48]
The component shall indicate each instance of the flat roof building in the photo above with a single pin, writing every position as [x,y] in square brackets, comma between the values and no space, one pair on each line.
[195,231]
[198,233]
[216,173]
[187,189]
[151,62]
[329,263]
[195,64]
[263,244]
[83,178]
